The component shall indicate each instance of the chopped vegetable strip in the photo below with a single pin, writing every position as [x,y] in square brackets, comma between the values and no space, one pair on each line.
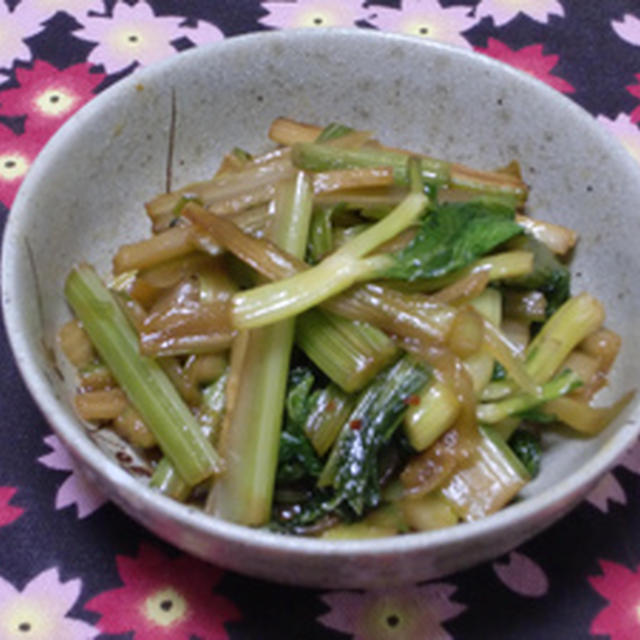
[142,379]
[260,358]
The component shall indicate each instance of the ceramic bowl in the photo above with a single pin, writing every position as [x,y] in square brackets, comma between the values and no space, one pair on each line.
[83,197]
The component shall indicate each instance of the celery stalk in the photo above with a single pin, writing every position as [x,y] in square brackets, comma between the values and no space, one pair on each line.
[490,412]
[165,478]
[435,411]
[250,435]
[577,318]
[320,234]
[278,300]
[321,157]
[491,478]
[146,385]
[350,353]
[325,420]
[489,304]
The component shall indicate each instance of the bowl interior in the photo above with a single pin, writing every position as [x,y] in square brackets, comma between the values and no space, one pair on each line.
[84,197]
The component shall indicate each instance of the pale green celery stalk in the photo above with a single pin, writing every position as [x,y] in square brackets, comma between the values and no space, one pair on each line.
[214,404]
[278,300]
[489,305]
[491,412]
[145,383]
[480,367]
[341,235]
[320,157]
[435,411]
[333,131]
[498,390]
[167,481]
[349,353]
[165,478]
[260,359]
[320,234]
[578,317]
[507,427]
[501,266]
[326,418]
[488,481]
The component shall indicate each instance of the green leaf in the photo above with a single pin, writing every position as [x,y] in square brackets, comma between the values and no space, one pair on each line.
[527,446]
[321,233]
[549,275]
[301,381]
[352,468]
[537,415]
[499,372]
[297,459]
[332,131]
[452,236]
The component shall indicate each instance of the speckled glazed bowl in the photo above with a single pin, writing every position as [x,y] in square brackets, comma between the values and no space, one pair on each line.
[83,197]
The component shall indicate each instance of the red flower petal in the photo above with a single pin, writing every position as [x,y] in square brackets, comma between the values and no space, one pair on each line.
[530,59]
[8,513]
[634,90]
[615,581]
[164,597]
[621,586]
[49,96]
[16,155]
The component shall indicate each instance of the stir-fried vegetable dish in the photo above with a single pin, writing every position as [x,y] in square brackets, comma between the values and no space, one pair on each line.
[341,339]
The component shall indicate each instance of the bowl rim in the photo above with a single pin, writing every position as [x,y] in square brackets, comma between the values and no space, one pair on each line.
[525,513]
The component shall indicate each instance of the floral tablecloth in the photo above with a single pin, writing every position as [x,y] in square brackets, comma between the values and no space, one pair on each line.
[73,567]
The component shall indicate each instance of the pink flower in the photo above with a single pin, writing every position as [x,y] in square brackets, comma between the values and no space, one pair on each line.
[503,11]
[412,613]
[75,490]
[628,28]
[530,59]
[620,619]
[312,13]
[39,11]
[425,18]
[16,155]
[607,490]
[164,598]
[49,96]
[132,35]
[8,513]
[39,611]
[631,459]
[15,27]
[626,131]
[202,33]
[522,575]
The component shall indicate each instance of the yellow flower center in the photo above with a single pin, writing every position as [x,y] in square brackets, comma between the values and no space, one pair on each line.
[391,617]
[165,607]
[55,102]
[24,621]
[128,38]
[13,166]
[318,18]
[421,27]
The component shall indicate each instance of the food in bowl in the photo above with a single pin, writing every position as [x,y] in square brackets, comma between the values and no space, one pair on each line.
[341,339]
